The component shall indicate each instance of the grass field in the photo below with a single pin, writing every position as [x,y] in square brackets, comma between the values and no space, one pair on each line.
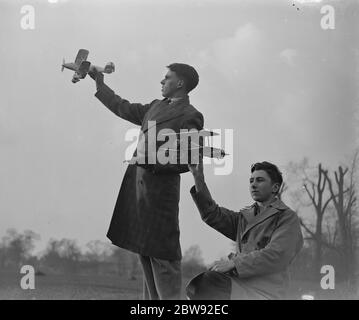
[72,287]
[106,287]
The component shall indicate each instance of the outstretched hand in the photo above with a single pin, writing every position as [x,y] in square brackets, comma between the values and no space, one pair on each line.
[197,169]
[198,174]
[96,75]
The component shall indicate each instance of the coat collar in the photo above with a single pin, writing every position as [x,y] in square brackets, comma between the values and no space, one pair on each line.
[173,101]
[167,112]
[272,209]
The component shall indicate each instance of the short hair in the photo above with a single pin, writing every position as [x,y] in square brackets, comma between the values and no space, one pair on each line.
[187,73]
[271,169]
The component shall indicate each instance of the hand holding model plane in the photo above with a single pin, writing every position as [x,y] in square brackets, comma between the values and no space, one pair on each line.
[82,67]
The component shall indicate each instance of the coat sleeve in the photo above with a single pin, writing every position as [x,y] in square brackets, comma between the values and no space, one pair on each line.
[193,120]
[133,112]
[219,218]
[285,243]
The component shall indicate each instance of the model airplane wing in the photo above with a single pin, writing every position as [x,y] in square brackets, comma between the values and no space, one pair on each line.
[206,151]
[81,56]
[194,133]
[211,152]
[84,68]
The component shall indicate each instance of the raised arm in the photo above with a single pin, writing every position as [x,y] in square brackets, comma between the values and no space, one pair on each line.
[221,219]
[133,112]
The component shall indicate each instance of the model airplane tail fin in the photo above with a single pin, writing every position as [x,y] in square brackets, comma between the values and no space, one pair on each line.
[109,67]
[63,62]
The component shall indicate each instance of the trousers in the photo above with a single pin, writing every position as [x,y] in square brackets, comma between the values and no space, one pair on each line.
[162,278]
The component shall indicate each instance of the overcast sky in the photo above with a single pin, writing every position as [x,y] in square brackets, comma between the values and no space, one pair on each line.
[267,70]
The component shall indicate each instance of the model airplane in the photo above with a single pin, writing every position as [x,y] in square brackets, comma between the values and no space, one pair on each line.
[82,67]
[204,150]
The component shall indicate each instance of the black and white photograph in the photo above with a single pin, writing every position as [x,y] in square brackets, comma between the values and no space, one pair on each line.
[179,150]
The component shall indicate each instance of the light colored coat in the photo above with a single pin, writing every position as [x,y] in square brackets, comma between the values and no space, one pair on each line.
[266,244]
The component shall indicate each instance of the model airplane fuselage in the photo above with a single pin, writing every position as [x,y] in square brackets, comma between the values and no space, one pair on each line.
[81,66]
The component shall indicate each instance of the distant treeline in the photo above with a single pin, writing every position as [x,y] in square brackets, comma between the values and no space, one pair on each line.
[66,257]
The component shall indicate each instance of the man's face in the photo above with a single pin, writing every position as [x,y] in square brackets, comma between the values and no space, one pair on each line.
[171,84]
[261,186]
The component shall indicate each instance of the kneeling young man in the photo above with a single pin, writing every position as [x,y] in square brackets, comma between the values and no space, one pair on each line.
[267,234]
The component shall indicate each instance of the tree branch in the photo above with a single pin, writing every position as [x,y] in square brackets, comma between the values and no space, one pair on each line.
[309,194]
[315,238]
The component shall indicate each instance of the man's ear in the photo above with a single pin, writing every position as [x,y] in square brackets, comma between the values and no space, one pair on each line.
[180,83]
[276,187]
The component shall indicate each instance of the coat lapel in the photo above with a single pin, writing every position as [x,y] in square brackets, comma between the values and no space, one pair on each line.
[168,112]
[272,209]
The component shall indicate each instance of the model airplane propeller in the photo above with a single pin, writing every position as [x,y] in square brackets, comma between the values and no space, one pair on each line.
[82,67]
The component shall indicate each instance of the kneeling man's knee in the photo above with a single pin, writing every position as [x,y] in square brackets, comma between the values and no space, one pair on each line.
[209,285]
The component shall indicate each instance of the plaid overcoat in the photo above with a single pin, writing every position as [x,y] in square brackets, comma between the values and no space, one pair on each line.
[145,218]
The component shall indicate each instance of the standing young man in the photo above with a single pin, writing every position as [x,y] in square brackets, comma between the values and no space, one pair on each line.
[145,218]
[267,235]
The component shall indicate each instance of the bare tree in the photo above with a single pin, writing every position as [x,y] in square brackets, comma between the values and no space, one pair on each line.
[316,193]
[345,206]
[314,186]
